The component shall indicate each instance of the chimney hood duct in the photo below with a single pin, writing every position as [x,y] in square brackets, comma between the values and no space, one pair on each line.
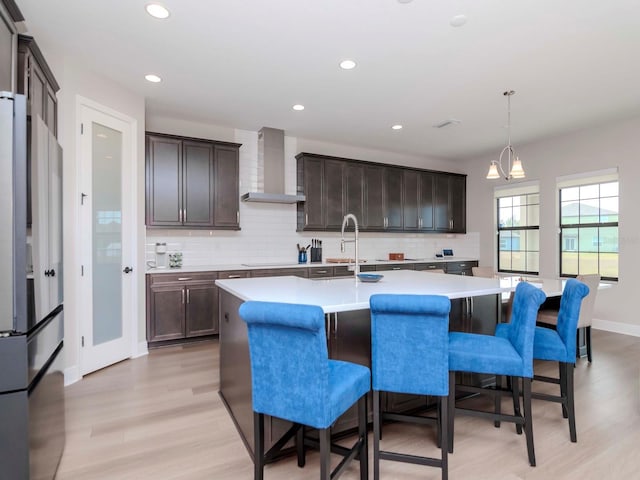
[271,157]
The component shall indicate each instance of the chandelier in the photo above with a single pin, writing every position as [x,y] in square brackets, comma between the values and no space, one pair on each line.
[514,166]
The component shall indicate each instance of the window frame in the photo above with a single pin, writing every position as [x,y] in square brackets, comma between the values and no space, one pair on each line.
[578,226]
[524,229]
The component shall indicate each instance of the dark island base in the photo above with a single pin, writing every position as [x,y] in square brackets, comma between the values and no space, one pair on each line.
[349,339]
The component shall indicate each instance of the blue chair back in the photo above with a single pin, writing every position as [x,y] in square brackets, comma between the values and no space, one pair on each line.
[569,313]
[410,343]
[289,361]
[526,302]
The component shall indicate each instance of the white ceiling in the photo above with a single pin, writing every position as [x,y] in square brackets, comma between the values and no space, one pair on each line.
[244,63]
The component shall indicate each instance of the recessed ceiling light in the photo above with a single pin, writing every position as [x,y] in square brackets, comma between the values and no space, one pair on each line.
[298,107]
[157,11]
[396,127]
[153,78]
[405,1]
[458,20]
[347,64]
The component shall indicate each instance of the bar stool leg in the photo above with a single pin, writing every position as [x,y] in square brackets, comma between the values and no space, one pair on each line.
[528,418]
[443,426]
[497,405]
[587,337]
[258,450]
[324,435]
[451,411]
[300,447]
[563,389]
[362,433]
[570,405]
[515,393]
[376,434]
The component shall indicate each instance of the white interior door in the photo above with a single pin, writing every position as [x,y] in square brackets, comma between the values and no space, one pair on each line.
[107,239]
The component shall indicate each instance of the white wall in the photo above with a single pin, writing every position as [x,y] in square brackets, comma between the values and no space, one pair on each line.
[608,146]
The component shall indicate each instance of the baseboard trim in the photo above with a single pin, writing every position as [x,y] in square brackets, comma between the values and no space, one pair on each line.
[616,327]
[71,375]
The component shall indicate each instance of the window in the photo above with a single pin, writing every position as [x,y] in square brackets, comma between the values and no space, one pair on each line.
[519,233]
[589,230]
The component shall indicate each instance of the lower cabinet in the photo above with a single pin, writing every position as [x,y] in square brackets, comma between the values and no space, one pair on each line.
[181,306]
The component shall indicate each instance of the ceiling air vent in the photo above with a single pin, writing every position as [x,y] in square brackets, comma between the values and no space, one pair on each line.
[447,123]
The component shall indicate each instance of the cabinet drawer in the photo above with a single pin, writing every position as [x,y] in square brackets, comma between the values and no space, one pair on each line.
[280,272]
[429,266]
[394,266]
[320,272]
[343,271]
[461,268]
[162,278]
[234,274]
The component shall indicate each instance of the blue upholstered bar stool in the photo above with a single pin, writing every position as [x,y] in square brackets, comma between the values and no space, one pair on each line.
[292,378]
[409,350]
[558,345]
[510,356]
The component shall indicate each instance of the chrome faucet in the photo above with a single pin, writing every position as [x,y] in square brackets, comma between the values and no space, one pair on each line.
[345,221]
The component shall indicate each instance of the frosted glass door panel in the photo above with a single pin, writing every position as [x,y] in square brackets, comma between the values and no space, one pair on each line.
[106,219]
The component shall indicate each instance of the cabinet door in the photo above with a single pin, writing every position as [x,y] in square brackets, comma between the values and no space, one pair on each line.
[197,193]
[441,217]
[393,198]
[7,55]
[333,193]
[201,309]
[164,182]
[425,202]
[458,204]
[37,91]
[313,206]
[166,312]
[354,190]
[373,198]
[52,110]
[411,204]
[226,188]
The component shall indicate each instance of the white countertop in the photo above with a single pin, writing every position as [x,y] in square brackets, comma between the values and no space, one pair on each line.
[260,265]
[344,294]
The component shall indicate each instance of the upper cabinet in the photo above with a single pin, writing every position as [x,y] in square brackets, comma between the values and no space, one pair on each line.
[191,183]
[384,198]
[450,203]
[36,80]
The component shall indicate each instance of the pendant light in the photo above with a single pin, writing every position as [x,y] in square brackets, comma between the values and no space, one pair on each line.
[514,165]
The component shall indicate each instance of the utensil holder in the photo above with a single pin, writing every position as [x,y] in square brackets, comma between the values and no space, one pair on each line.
[302,257]
[316,255]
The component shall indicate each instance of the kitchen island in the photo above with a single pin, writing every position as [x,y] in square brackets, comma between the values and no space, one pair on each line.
[345,302]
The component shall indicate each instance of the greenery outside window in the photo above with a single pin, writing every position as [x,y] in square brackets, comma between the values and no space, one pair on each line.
[519,233]
[589,230]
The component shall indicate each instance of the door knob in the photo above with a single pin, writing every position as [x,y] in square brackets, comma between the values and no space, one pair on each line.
[127,269]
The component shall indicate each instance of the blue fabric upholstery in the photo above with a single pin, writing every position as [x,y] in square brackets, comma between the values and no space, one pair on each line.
[512,355]
[291,375]
[560,344]
[409,348]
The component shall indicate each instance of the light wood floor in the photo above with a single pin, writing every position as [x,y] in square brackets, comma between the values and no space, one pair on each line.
[160,417]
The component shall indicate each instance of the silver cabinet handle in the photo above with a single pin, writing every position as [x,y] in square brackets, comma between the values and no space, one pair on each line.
[182,294]
[335,325]
[237,216]
[395,268]
[321,271]
[182,279]
[327,321]
[184,215]
[234,276]
[188,296]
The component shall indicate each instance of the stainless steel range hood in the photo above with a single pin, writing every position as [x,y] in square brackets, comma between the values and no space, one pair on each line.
[271,157]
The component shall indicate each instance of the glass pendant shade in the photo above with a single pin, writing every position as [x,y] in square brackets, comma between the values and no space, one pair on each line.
[493,172]
[516,170]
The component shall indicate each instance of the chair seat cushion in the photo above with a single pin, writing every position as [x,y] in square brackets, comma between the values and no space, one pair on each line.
[347,382]
[470,352]
[547,344]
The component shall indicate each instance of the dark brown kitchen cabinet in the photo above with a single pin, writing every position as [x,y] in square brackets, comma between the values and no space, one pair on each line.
[418,200]
[333,193]
[36,81]
[461,268]
[382,197]
[450,203]
[311,214]
[373,218]
[392,199]
[191,183]
[7,52]
[181,306]
[280,272]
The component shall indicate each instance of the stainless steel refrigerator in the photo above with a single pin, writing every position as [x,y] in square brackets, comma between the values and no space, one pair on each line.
[32,424]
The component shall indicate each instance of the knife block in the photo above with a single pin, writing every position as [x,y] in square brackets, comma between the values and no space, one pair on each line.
[316,255]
